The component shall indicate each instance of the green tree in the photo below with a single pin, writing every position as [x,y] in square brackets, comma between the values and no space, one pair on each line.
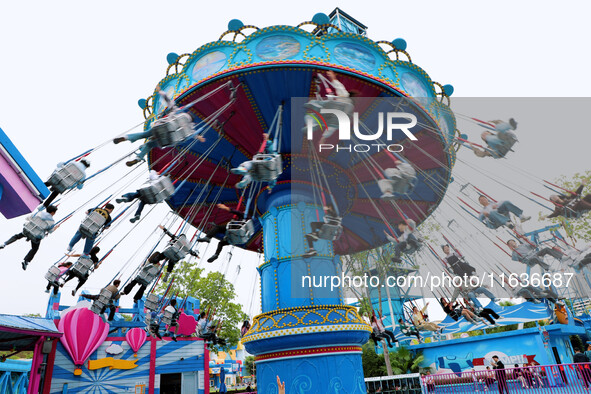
[249,365]
[404,361]
[580,228]
[373,365]
[215,294]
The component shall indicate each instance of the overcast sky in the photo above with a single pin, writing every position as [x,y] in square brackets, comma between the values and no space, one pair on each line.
[72,72]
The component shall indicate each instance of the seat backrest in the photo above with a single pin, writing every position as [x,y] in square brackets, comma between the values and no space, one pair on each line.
[330,232]
[82,266]
[238,232]
[157,191]
[92,224]
[266,167]
[35,227]
[177,249]
[66,177]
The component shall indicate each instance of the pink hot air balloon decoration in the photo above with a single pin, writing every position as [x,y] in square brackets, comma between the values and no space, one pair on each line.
[136,338]
[83,333]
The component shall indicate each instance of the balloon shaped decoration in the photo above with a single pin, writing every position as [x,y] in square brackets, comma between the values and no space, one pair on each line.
[187,325]
[83,332]
[136,337]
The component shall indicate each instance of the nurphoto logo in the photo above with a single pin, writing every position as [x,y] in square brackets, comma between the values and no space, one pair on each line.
[389,123]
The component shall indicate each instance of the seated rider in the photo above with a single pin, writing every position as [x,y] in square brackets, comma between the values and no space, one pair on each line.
[82,165]
[153,178]
[114,289]
[578,259]
[455,311]
[154,325]
[418,319]
[245,327]
[81,280]
[485,313]
[331,218]
[47,217]
[63,267]
[398,180]
[530,255]
[377,324]
[153,260]
[457,263]
[499,142]
[220,228]
[535,294]
[171,308]
[495,215]
[147,146]
[157,257]
[407,241]
[338,97]
[89,243]
[407,330]
[571,205]
[246,167]
[206,329]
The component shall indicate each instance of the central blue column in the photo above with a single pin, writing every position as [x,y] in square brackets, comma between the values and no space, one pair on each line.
[305,335]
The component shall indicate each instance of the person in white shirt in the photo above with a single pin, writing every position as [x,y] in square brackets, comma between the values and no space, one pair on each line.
[499,142]
[171,308]
[153,178]
[47,217]
[82,165]
[407,239]
[495,215]
[337,98]
[398,180]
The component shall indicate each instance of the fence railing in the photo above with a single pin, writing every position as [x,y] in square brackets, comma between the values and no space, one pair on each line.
[399,384]
[558,378]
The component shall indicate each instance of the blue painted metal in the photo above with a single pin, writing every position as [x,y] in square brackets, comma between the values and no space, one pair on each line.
[320,18]
[308,316]
[399,43]
[235,25]
[27,170]
[448,89]
[172,57]
[14,376]
[25,323]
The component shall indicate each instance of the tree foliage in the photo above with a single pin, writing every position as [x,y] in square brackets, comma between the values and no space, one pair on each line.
[249,365]
[402,361]
[215,294]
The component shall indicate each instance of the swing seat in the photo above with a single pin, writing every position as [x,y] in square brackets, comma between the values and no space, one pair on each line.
[81,267]
[238,232]
[177,249]
[332,229]
[266,167]
[172,129]
[151,304]
[102,301]
[65,177]
[401,180]
[147,274]
[166,317]
[35,228]
[158,191]
[92,224]
[52,274]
